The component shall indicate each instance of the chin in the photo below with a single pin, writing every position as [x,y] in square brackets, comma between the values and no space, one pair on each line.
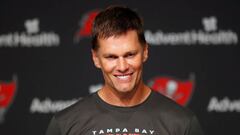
[124,90]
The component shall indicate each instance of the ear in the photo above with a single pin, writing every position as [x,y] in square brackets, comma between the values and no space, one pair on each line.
[145,53]
[95,58]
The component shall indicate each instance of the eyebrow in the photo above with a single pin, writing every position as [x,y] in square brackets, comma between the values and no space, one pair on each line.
[111,54]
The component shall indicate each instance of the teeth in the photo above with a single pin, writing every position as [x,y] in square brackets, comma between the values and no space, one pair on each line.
[123,76]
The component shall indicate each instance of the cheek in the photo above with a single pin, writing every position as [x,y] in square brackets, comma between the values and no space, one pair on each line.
[107,66]
[136,63]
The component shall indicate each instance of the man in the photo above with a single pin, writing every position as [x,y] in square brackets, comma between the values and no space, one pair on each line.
[124,105]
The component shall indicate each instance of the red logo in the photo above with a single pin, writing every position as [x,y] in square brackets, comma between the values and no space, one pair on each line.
[86,25]
[7,92]
[178,90]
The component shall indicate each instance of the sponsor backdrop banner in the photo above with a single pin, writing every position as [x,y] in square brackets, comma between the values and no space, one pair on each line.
[45,61]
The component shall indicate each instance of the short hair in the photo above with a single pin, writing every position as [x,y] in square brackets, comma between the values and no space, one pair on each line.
[115,21]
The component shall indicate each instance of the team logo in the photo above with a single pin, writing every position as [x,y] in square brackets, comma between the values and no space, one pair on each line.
[32,26]
[7,92]
[85,25]
[211,34]
[178,90]
[32,36]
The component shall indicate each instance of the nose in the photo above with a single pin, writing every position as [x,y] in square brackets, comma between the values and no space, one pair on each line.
[122,65]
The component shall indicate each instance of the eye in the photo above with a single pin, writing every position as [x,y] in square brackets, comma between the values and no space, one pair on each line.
[111,57]
[130,55]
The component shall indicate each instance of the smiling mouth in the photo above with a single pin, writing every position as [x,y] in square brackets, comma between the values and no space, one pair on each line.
[124,77]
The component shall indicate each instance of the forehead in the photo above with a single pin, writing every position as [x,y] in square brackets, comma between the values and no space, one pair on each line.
[125,42]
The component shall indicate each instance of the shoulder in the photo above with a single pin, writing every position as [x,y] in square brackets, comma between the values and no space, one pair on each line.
[167,108]
[76,114]
[176,118]
[78,110]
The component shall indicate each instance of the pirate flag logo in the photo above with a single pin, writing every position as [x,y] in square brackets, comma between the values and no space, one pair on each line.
[85,25]
[177,90]
[7,93]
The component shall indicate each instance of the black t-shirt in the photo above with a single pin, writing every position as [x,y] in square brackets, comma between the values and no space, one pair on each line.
[157,115]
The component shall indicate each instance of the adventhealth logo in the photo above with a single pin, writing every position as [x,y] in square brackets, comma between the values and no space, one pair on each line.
[223,105]
[32,37]
[210,35]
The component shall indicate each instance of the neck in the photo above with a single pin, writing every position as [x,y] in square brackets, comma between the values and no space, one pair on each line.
[125,99]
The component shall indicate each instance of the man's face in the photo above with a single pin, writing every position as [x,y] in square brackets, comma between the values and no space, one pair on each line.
[121,60]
